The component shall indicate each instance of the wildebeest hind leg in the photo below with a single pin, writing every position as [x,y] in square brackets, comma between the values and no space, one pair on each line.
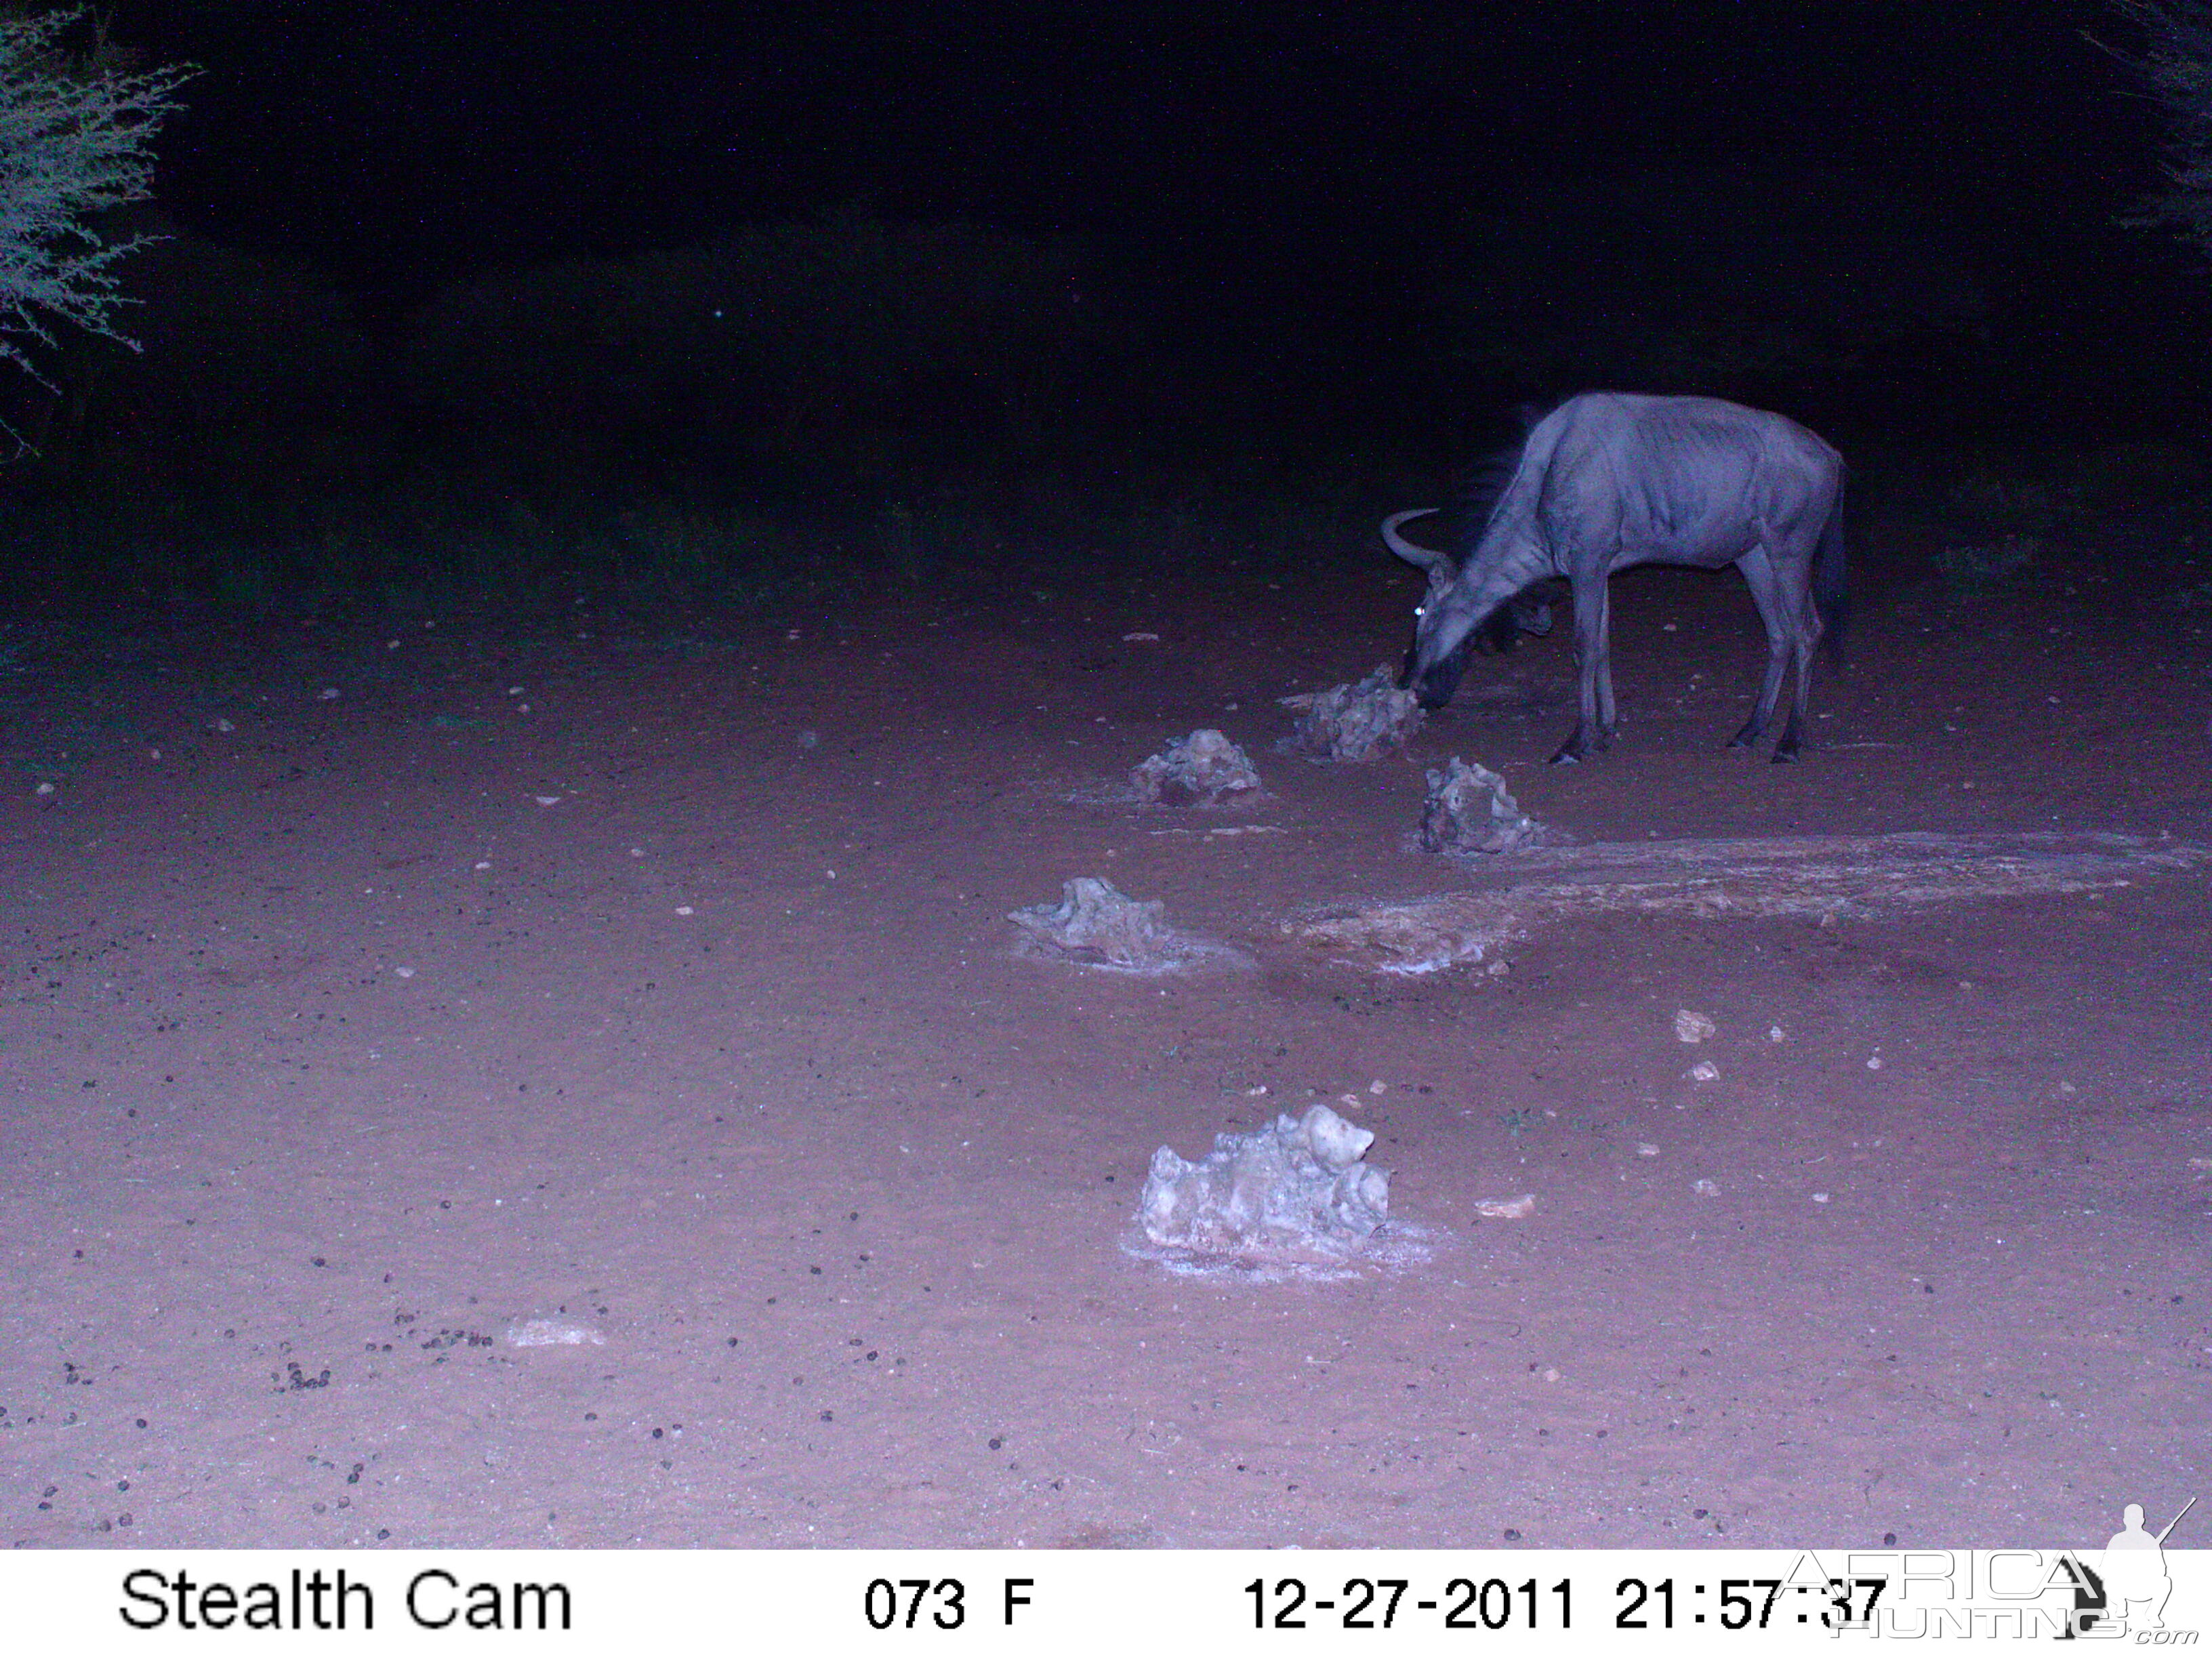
[1793,737]
[1759,575]
[1593,674]
[1806,640]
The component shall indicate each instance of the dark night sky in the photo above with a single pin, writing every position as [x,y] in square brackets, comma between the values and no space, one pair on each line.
[392,142]
[1329,211]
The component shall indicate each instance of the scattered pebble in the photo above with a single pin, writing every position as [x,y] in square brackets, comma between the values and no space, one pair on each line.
[1507,1209]
[328,694]
[1140,639]
[1645,1149]
[547,800]
[1819,1198]
[1705,1188]
[552,1333]
[1705,1072]
[404,973]
[1694,1028]
[1775,1034]
[1874,1062]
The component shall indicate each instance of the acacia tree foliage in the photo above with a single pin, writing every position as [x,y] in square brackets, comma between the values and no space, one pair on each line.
[75,137]
[2178,66]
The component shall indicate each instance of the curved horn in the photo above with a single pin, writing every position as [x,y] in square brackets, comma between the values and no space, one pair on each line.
[1427,558]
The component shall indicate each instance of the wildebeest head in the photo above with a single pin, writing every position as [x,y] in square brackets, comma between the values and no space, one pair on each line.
[1448,630]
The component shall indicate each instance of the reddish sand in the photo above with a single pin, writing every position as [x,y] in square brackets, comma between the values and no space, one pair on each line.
[664,987]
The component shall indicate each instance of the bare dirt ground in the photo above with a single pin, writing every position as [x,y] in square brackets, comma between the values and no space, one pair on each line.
[662,987]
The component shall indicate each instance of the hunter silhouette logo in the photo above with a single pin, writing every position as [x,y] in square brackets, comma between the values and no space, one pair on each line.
[2128,1590]
[2136,1582]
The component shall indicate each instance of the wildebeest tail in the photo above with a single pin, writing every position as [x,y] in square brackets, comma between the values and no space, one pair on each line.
[1828,588]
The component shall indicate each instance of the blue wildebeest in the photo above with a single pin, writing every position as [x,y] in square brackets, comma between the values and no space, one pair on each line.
[1612,479]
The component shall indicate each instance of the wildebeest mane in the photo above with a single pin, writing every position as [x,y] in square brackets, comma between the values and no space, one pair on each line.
[1486,481]
[1484,488]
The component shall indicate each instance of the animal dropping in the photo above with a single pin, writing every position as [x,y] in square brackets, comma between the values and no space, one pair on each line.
[1353,722]
[1296,1190]
[1469,810]
[1196,770]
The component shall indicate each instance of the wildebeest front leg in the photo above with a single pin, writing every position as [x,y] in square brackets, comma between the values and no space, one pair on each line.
[1593,673]
[1759,576]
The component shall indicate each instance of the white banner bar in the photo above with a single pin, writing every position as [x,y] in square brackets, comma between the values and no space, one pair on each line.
[1223,1603]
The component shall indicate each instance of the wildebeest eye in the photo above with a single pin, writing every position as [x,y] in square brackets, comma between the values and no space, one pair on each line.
[1420,610]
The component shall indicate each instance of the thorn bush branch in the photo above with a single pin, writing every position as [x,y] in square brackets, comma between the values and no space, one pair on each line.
[75,143]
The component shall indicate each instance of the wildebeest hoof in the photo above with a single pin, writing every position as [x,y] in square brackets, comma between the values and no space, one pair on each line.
[1784,754]
[1567,758]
